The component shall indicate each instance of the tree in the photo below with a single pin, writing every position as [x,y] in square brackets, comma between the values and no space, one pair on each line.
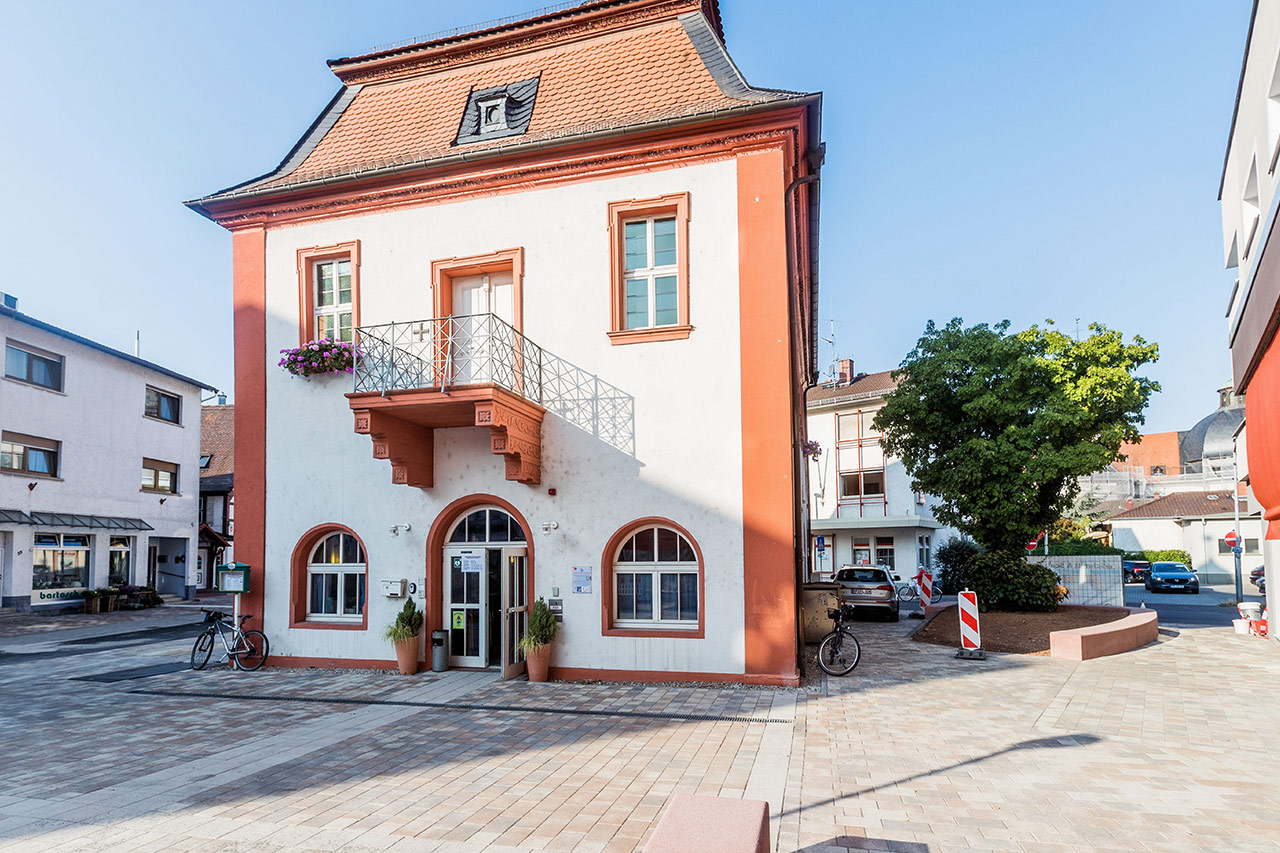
[998,426]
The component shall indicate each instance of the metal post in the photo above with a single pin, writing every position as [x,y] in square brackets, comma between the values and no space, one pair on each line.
[1235,506]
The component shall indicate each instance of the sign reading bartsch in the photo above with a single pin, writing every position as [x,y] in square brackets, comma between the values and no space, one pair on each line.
[582,580]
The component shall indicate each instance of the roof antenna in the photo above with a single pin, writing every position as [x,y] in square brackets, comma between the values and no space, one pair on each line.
[137,344]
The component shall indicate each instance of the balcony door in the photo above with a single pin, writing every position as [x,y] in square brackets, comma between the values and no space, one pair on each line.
[476,342]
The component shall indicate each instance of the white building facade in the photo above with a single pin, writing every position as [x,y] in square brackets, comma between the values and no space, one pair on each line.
[1198,523]
[99,461]
[864,511]
[576,375]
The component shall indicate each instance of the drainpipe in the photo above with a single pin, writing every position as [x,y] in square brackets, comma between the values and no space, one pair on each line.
[800,501]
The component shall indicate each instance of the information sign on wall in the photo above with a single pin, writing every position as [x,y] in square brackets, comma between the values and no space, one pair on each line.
[473,562]
[582,580]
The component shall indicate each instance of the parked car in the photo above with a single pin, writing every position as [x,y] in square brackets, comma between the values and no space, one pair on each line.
[1257,574]
[869,587]
[1262,585]
[1135,571]
[1167,577]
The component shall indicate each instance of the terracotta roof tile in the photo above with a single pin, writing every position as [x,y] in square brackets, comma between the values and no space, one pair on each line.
[611,80]
[865,384]
[218,438]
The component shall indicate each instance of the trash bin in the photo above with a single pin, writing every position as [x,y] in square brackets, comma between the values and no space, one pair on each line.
[439,651]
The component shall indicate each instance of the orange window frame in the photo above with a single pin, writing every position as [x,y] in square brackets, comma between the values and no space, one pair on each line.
[607,628]
[445,270]
[298,591]
[619,212]
[307,259]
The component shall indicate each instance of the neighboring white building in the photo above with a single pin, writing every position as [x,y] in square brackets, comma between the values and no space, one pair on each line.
[82,426]
[864,510]
[562,247]
[1195,522]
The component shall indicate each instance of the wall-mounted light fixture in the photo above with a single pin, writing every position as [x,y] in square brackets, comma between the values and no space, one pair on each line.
[396,528]
[31,487]
[548,526]
[162,500]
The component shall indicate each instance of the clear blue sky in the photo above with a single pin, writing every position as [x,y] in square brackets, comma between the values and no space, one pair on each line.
[985,159]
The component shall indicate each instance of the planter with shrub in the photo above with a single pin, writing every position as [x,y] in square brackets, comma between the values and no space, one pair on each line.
[404,634]
[536,643]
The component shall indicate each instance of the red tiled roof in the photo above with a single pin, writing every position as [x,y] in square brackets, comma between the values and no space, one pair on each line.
[218,439]
[867,383]
[1185,505]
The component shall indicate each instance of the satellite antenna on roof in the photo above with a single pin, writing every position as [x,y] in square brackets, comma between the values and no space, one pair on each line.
[835,359]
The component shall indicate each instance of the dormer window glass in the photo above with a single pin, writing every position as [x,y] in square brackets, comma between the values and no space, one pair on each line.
[493,114]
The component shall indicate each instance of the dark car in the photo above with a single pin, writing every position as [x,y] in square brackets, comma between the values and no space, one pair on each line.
[869,587]
[1135,571]
[1168,577]
[1256,574]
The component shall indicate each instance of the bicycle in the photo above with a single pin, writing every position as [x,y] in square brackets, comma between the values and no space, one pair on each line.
[247,649]
[911,591]
[839,652]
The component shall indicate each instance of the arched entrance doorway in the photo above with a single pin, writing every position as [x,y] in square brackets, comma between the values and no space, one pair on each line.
[486,579]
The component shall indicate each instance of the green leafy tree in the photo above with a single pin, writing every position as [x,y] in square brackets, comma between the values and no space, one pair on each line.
[998,426]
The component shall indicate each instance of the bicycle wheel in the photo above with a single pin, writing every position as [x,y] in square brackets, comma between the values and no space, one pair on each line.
[839,653]
[935,595]
[907,592]
[253,654]
[201,651]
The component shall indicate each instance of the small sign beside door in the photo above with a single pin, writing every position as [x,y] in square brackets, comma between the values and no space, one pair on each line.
[472,562]
[582,580]
[459,619]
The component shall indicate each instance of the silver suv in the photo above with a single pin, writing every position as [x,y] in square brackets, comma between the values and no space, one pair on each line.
[869,587]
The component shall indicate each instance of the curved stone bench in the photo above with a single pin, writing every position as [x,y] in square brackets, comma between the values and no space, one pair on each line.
[1110,638]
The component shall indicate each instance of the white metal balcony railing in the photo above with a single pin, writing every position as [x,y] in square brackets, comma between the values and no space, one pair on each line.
[482,349]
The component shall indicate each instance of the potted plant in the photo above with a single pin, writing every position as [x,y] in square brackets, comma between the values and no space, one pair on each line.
[404,633]
[536,643]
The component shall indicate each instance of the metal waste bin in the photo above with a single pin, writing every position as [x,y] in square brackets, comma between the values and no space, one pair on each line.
[439,651]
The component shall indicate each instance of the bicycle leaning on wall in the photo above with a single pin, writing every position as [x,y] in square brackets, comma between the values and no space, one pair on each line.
[247,649]
[839,652]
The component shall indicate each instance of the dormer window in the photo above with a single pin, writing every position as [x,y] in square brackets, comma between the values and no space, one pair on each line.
[497,112]
[493,114]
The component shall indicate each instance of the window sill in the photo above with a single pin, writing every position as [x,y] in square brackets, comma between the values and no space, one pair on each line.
[161,493]
[41,477]
[163,420]
[657,333]
[36,385]
[693,632]
[318,624]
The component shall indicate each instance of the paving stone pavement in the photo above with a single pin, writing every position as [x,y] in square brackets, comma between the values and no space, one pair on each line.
[1161,749]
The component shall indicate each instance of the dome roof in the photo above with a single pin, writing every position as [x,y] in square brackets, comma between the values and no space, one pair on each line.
[1211,438]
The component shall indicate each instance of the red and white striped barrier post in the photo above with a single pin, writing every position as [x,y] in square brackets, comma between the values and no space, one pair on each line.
[926,587]
[970,635]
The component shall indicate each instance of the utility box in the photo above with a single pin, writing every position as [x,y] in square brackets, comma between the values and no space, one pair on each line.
[394,588]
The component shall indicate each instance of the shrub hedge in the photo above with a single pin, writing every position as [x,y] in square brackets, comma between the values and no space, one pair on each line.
[1079,547]
[951,557]
[1168,555]
[1008,582]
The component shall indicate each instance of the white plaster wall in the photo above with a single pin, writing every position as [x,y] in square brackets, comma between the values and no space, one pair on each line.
[1254,137]
[1146,534]
[98,418]
[687,462]
[1201,538]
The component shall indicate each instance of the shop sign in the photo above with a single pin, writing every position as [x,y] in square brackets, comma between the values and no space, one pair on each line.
[49,596]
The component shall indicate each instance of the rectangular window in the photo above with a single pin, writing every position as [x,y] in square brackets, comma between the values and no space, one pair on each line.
[676,599]
[884,551]
[649,247]
[924,552]
[27,454]
[1251,546]
[60,562]
[333,305]
[861,552]
[336,594]
[26,364]
[164,406]
[159,476]
[118,573]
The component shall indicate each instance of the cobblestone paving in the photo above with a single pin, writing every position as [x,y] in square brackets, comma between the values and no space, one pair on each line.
[1161,749]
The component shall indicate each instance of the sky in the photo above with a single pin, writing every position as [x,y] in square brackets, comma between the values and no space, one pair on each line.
[987,160]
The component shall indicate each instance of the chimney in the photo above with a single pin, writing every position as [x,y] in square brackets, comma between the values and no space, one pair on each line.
[846,371]
[10,301]
[222,399]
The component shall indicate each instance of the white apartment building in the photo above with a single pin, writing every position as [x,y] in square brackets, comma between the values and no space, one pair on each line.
[99,462]
[863,509]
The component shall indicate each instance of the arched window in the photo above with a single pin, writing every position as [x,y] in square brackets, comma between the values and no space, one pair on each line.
[656,579]
[336,573]
[487,525]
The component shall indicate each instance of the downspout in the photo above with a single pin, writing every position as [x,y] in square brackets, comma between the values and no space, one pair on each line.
[800,520]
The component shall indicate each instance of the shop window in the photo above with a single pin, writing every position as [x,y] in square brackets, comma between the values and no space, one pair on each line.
[60,561]
[861,552]
[121,549]
[653,580]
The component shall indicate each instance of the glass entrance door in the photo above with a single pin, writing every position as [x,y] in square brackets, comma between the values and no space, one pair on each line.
[515,609]
[465,605]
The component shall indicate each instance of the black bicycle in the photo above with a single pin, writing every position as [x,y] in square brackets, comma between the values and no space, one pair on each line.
[247,649]
[839,652]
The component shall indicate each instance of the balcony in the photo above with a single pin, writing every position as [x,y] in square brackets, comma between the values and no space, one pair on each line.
[476,370]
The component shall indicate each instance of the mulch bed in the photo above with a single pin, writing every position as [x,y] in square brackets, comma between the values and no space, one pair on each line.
[1020,633]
